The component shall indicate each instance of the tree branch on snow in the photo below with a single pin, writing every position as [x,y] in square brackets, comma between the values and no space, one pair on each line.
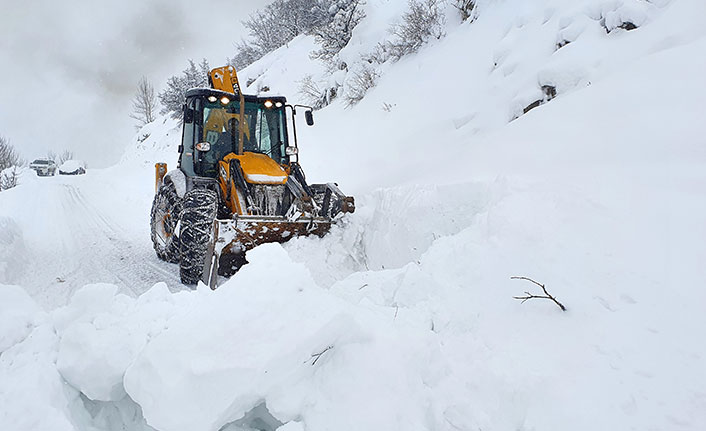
[317,356]
[532,296]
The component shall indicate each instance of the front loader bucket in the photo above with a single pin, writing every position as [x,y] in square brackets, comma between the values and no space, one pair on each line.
[247,232]
[232,238]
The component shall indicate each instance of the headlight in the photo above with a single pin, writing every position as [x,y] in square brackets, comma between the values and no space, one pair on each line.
[291,151]
[203,146]
[225,100]
[268,104]
[278,104]
[212,98]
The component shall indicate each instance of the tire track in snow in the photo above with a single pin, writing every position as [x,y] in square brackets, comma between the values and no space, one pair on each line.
[87,245]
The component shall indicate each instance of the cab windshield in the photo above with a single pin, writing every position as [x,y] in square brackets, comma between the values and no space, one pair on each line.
[264,131]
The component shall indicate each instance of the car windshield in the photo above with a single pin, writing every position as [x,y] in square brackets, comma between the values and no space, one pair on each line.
[264,131]
[40,162]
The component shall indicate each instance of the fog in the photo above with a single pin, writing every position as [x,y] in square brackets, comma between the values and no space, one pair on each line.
[69,70]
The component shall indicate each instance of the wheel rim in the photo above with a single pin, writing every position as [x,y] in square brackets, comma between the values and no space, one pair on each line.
[165,228]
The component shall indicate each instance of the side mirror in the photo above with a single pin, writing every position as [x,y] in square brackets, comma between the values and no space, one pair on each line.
[309,115]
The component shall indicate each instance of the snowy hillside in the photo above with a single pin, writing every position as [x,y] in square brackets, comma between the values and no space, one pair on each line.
[403,318]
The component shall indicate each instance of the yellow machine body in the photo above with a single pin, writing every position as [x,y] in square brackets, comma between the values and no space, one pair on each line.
[257,169]
[225,79]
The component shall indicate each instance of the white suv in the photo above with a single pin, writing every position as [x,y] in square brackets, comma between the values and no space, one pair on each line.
[43,167]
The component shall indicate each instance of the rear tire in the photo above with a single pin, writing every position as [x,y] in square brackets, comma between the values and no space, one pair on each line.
[197,216]
[166,209]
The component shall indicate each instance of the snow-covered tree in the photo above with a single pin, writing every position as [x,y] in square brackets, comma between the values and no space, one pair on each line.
[172,98]
[283,20]
[334,36]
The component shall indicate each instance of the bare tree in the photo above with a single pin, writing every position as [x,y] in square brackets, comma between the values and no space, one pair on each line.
[358,85]
[144,104]
[65,155]
[51,155]
[8,155]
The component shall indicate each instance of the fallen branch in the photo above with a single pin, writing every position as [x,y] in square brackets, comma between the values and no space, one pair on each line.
[316,356]
[531,296]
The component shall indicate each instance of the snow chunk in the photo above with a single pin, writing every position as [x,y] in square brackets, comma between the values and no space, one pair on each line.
[32,393]
[19,315]
[102,333]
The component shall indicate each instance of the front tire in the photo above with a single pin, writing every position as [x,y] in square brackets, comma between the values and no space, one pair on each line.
[166,210]
[198,214]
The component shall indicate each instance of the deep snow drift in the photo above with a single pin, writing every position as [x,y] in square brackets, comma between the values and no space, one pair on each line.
[403,317]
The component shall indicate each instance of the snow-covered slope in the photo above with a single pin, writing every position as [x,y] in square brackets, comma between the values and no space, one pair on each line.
[403,317]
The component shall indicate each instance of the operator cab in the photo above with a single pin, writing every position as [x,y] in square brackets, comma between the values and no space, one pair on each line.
[212,130]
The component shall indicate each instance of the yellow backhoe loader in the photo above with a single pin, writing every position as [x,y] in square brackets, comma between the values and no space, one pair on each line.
[238,182]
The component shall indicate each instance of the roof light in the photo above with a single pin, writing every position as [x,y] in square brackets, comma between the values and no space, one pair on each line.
[225,100]
[212,98]
[278,104]
[268,104]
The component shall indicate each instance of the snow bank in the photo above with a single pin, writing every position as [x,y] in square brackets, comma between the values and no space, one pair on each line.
[13,254]
[154,142]
[274,337]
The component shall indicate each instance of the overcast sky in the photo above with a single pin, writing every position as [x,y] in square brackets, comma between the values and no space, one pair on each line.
[68,70]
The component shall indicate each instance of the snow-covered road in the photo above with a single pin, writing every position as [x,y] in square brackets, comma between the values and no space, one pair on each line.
[78,233]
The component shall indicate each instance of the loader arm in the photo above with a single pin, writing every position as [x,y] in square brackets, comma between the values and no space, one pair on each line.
[226,79]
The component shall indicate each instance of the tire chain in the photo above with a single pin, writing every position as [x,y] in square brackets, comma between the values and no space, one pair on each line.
[199,211]
[170,202]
